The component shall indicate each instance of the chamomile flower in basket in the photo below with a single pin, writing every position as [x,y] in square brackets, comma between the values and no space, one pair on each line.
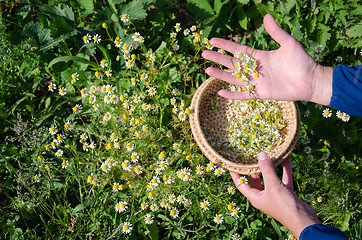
[231,133]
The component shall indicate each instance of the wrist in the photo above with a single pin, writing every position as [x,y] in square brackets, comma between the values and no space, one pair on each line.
[322,79]
[302,217]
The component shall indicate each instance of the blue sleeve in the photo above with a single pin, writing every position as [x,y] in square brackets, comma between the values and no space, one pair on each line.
[321,232]
[347,89]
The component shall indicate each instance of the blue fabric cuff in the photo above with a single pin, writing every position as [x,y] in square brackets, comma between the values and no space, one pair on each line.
[321,232]
[347,89]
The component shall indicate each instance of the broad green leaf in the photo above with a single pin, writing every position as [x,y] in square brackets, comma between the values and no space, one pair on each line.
[217,6]
[201,8]
[135,9]
[24,11]
[243,2]
[242,19]
[355,31]
[87,5]
[71,58]
[65,11]
[61,28]
[153,231]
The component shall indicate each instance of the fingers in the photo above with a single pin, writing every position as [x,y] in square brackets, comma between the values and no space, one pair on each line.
[268,171]
[248,191]
[223,75]
[231,46]
[254,181]
[244,95]
[287,178]
[220,58]
[275,31]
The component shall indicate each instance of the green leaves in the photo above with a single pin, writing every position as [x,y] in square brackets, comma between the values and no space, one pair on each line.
[201,8]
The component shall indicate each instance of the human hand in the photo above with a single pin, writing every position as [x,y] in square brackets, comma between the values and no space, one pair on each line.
[277,198]
[288,73]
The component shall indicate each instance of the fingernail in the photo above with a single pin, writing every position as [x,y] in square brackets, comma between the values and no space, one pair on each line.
[263,156]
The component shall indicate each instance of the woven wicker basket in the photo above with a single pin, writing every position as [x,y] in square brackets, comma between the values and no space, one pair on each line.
[199,113]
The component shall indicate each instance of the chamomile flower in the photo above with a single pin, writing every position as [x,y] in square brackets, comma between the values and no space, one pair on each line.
[325,156]
[77,108]
[107,116]
[345,117]
[74,77]
[218,219]
[37,177]
[121,206]
[305,140]
[306,113]
[242,181]
[151,91]
[126,166]
[327,113]
[204,205]
[309,197]
[103,63]
[332,193]
[199,169]
[65,164]
[312,181]
[318,49]
[175,92]
[319,199]
[129,63]
[108,72]
[117,42]
[53,130]
[186,32]
[143,205]
[339,59]
[164,203]
[181,199]
[137,169]
[149,219]
[86,38]
[235,212]
[129,146]
[177,27]
[105,167]
[92,99]
[136,36]
[59,153]
[52,86]
[182,116]
[97,38]
[115,188]
[125,18]
[174,212]
[231,190]
[315,57]
[126,227]
[153,207]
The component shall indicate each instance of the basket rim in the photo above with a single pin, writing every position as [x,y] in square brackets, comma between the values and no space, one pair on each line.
[215,157]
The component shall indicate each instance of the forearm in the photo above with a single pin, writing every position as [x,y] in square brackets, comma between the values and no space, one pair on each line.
[300,218]
[322,85]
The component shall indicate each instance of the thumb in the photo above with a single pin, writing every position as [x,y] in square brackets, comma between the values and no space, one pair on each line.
[275,31]
[268,170]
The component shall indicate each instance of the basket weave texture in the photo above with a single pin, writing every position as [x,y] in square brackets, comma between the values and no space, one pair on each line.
[216,119]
